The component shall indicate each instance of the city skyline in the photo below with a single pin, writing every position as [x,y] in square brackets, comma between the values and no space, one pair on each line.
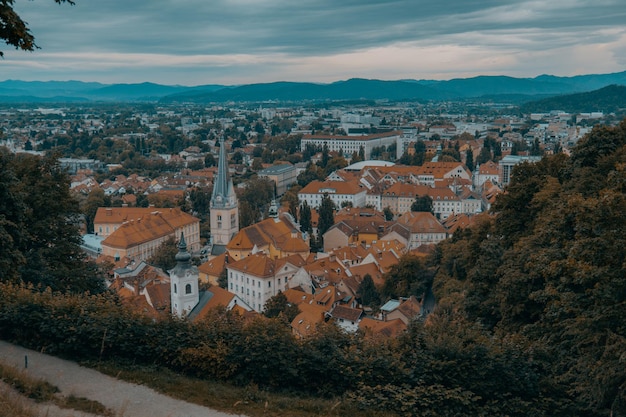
[245,41]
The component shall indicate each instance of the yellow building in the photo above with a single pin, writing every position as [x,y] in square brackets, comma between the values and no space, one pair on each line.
[141,233]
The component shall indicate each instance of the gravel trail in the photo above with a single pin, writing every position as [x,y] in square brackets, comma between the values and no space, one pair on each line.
[125,399]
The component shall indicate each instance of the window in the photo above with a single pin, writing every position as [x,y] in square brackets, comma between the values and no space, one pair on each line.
[175,289]
[188,289]
[269,284]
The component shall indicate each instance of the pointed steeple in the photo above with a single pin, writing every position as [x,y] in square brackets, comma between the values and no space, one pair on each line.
[182,257]
[223,190]
[184,281]
[224,206]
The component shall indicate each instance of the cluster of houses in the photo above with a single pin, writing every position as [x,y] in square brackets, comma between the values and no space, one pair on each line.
[249,266]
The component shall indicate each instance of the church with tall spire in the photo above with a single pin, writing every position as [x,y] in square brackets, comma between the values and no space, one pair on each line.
[224,206]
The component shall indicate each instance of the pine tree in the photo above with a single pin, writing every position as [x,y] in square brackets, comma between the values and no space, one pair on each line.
[367,292]
[305,217]
[326,215]
[469,159]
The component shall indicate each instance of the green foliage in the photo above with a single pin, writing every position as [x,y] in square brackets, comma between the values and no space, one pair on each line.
[469,159]
[165,255]
[410,276]
[388,214]
[422,203]
[550,269]
[39,233]
[253,200]
[312,173]
[326,215]
[278,306]
[305,217]
[368,293]
[466,366]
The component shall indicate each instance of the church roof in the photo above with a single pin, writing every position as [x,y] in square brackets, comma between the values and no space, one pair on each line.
[118,215]
[277,233]
[142,230]
[259,265]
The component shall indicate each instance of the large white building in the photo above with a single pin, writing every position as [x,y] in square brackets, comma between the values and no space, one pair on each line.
[340,192]
[257,278]
[350,144]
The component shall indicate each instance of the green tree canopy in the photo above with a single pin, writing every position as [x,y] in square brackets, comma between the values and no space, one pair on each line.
[422,203]
[165,255]
[549,270]
[305,217]
[368,293]
[278,306]
[39,226]
[410,276]
[326,215]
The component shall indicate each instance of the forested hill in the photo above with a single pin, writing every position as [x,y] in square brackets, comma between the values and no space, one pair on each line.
[548,272]
[610,99]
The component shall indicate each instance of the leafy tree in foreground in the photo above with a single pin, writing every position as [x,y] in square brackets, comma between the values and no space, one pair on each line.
[14,31]
[41,226]
[550,271]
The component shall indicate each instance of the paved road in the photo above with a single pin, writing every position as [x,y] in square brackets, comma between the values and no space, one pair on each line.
[125,399]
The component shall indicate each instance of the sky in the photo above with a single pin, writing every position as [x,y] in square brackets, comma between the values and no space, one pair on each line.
[232,42]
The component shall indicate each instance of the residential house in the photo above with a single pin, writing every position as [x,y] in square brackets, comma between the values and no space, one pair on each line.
[415,228]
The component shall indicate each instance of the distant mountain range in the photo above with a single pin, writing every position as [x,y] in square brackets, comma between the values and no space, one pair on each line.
[518,90]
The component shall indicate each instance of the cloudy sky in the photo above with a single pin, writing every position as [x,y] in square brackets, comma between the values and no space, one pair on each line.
[194,42]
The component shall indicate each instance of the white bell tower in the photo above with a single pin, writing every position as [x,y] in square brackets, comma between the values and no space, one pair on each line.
[184,279]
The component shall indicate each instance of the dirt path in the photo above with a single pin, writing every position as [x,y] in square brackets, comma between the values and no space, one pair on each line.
[125,399]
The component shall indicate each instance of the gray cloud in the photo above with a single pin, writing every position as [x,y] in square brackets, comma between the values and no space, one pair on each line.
[310,28]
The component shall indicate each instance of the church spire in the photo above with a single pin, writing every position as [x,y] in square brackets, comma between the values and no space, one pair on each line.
[182,257]
[223,190]
[224,211]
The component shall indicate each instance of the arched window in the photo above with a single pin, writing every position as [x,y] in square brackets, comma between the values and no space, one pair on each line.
[188,289]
